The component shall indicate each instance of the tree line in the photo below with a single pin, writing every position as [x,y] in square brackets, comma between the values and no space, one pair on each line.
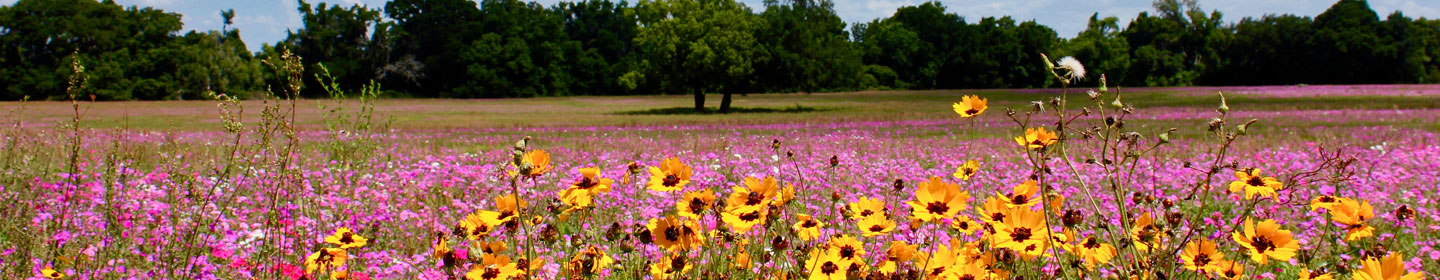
[511,48]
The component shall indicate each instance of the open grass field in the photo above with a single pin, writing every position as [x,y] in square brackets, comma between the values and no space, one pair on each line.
[858,185]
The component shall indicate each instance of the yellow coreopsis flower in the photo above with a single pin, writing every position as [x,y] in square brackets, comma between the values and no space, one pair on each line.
[1145,234]
[325,260]
[846,247]
[1326,202]
[939,264]
[967,169]
[51,273]
[1020,197]
[1229,269]
[694,204]
[876,225]
[670,176]
[964,224]
[480,224]
[535,163]
[582,192]
[1093,252]
[1352,214]
[826,266]
[1249,183]
[1201,256]
[509,207]
[743,219]
[1306,274]
[1390,268]
[588,262]
[784,196]
[898,252]
[936,200]
[970,106]
[670,266]
[994,211]
[865,207]
[1266,241]
[675,234]
[498,268]
[755,193]
[1024,231]
[346,239]
[1037,138]
[807,228]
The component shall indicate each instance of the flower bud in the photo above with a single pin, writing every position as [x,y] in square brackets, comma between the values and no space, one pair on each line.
[834,161]
[899,185]
[1224,108]
[1103,88]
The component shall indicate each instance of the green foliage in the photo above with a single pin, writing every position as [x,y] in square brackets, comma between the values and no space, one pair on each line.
[512,48]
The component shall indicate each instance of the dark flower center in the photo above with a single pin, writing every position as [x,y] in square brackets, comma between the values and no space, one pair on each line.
[677,264]
[866,213]
[967,277]
[1020,199]
[1202,259]
[1020,234]
[877,228]
[809,224]
[1262,244]
[997,216]
[672,234]
[754,198]
[829,268]
[1092,243]
[752,216]
[937,207]
[697,205]
[490,273]
[347,238]
[964,225]
[1256,181]
[972,111]
[586,183]
[847,252]
[1327,199]
[671,180]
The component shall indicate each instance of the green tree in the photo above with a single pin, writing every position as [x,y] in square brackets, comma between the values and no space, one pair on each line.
[696,46]
[808,48]
[1102,49]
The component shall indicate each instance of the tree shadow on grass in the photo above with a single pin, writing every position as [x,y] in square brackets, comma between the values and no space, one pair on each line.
[733,110]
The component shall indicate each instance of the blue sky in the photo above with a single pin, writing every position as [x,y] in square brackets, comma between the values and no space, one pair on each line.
[262,21]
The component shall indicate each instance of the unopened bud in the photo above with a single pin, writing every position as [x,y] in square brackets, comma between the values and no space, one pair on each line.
[1103,88]
[1224,108]
[1117,104]
[834,161]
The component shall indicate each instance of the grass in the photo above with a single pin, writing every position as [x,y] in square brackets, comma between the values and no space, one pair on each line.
[447,114]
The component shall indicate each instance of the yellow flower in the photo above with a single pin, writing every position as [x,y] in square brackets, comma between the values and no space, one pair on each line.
[1306,274]
[755,193]
[1266,239]
[967,169]
[1036,138]
[670,176]
[741,261]
[675,234]
[1201,256]
[827,266]
[1391,268]
[1324,202]
[865,207]
[582,193]
[846,247]
[1093,252]
[1249,183]
[937,200]
[1024,231]
[695,203]
[970,106]
[994,211]
[50,273]
[492,247]
[785,196]
[939,265]
[671,265]
[1020,197]
[535,163]
[493,267]
[876,225]
[1230,269]
[325,260]
[480,224]
[898,252]
[346,239]
[1353,214]
[807,228]
[442,249]
[743,219]
[1146,234]
[588,262]
[964,224]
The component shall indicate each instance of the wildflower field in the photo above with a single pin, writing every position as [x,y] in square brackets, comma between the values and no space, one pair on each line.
[1082,182]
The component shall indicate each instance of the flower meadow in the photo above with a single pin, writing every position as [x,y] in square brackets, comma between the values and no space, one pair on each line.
[1078,185]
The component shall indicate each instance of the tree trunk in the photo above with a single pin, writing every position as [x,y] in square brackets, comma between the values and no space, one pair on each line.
[725,103]
[699,102]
